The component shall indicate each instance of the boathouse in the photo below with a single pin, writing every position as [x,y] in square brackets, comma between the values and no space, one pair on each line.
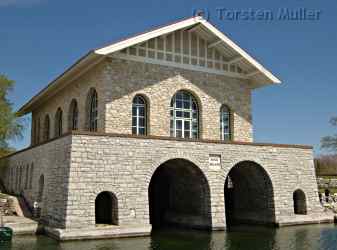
[156,130]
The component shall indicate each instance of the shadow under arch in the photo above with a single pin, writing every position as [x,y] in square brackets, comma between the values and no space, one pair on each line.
[106,208]
[249,195]
[179,195]
[300,202]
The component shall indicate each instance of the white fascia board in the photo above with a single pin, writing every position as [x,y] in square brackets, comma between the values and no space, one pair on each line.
[147,36]
[240,51]
[180,25]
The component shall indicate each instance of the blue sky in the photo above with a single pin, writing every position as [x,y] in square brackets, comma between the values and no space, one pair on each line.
[39,39]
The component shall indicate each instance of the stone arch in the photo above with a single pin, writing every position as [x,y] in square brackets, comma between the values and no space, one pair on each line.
[249,195]
[167,157]
[106,208]
[41,189]
[179,195]
[300,203]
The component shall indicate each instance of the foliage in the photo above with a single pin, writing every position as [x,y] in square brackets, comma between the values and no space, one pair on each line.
[11,126]
[330,142]
[326,165]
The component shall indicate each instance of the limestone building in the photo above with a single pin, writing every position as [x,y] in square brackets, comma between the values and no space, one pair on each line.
[156,130]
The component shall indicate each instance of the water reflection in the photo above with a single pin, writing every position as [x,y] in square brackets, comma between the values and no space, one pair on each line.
[240,238]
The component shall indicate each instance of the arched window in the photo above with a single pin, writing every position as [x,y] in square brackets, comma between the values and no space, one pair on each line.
[225,123]
[139,115]
[46,128]
[41,188]
[58,122]
[92,110]
[38,131]
[184,116]
[73,115]
[16,179]
[300,203]
[12,179]
[31,176]
[33,132]
[27,176]
[20,178]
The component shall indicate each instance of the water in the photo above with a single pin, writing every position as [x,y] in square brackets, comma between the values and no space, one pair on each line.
[241,238]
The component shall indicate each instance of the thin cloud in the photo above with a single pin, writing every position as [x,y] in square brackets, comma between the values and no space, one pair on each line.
[5,3]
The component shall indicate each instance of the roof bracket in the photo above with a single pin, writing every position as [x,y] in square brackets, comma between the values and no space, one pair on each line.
[195,28]
[252,73]
[211,45]
[235,60]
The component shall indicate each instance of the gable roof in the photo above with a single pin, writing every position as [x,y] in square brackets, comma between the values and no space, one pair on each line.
[255,72]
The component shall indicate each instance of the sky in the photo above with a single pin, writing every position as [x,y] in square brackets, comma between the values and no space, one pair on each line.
[39,39]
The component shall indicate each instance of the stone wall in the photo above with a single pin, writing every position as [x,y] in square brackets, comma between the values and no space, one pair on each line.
[125,166]
[78,90]
[78,167]
[52,160]
[117,81]
[159,84]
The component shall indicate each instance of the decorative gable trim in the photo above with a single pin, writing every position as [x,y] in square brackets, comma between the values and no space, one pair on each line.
[183,49]
[206,30]
[177,65]
[234,63]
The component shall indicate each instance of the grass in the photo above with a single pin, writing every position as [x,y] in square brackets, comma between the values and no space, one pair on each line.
[3,196]
[328,176]
[332,190]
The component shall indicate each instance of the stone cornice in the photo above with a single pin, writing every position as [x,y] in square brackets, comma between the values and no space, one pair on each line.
[151,137]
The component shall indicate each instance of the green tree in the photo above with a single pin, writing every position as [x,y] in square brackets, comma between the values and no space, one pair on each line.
[11,126]
[330,142]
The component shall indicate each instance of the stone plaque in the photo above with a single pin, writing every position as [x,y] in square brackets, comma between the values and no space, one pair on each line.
[214,162]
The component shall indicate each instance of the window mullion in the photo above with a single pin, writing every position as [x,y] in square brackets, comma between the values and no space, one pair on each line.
[136,119]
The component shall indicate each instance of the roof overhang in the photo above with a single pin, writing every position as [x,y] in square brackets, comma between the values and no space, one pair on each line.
[256,73]
[73,72]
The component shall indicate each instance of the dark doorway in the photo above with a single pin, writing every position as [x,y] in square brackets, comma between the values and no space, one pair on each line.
[179,196]
[249,196]
[106,209]
[300,204]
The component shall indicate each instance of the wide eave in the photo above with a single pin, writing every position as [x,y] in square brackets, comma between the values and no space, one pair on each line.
[256,74]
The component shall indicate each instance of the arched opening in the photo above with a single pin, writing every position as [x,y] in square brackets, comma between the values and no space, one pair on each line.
[184,115]
[139,115]
[73,116]
[249,196]
[92,110]
[226,133]
[58,122]
[31,176]
[46,128]
[300,204]
[179,196]
[106,209]
[38,131]
[41,188]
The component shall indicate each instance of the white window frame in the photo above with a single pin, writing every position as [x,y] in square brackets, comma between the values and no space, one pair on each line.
[193,133]
[225,136]
[138,116]
[93,112]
